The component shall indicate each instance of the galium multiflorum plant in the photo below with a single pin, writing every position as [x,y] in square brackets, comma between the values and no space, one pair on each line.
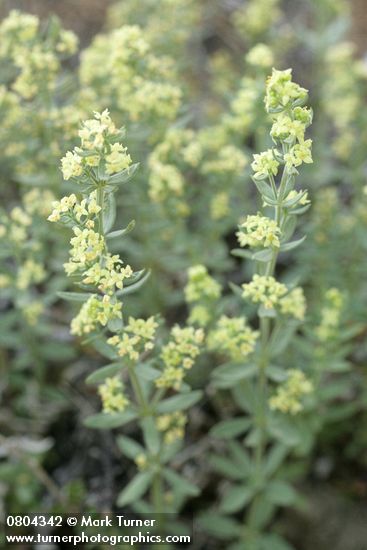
[267,392]
[135,384]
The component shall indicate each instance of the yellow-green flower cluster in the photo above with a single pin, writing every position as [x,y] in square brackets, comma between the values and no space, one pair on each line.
[288,398]
[38,201]
[300,153]
[179,355]
[121,68]
[98,145]
[243,107]
[284,99]
[96,310]
[108,274]
[260,56]
[256,16]
[137,337]
[16,225]
[200,285]
[282,92]
[173,426]
[89,258]
[233,337]
[87,208]
[264,290]
[330,315]
[35,54]
[265,164]
[201,292]
[30,272]
[87,247]
[229,159]
[294,304]
[166,179]
[141,460]
[32,311]
[175,20]
[219,206]
[258,231]
[113,398]
[184,152]
[344,82]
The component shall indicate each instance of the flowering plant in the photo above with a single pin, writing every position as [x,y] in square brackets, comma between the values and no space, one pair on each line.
[134,385]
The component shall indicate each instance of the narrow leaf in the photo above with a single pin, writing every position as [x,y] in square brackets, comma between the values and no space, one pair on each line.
[104,372]
[179,483]
[292,245]
[103,421]
[179,402]
[74,296]
[236,498]
[135,489]
[121,232]
[227,429]
[129,447]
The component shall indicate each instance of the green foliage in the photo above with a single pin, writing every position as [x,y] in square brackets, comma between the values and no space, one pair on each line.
[233,359]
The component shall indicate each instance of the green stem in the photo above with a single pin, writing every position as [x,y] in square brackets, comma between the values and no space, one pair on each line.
[157,499]
[139,394]
[100,202]
[261,391]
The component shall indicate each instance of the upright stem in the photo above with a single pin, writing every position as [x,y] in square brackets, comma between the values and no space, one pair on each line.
[139,394]
[100,202]
[264,339]
[261,390]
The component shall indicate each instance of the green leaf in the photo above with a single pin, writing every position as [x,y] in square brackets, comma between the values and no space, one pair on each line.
[121,232]
[147,372]
[263,255]
[229,374]
[109,212]
[289,227]
[274,542]
[292,245]
[281,338]
[103,348]
[104,372]
[280,493]
[266,311]
[151,435]
[235,289]
[220,526]
[226,467]
[241,253]
[245,396]
[236,499]
[179,483]
[135,286]
[260,513]
[129,447]
[227,429]
[294,201]
[241,457]
[265,189]
[135,489]
[275,458]
[123,176]
[179,402]
[74,296]
[277,374]
[103,421]
[284,430]
[260,256]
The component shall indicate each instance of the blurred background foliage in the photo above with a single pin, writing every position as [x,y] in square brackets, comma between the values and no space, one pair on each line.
[186,79]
